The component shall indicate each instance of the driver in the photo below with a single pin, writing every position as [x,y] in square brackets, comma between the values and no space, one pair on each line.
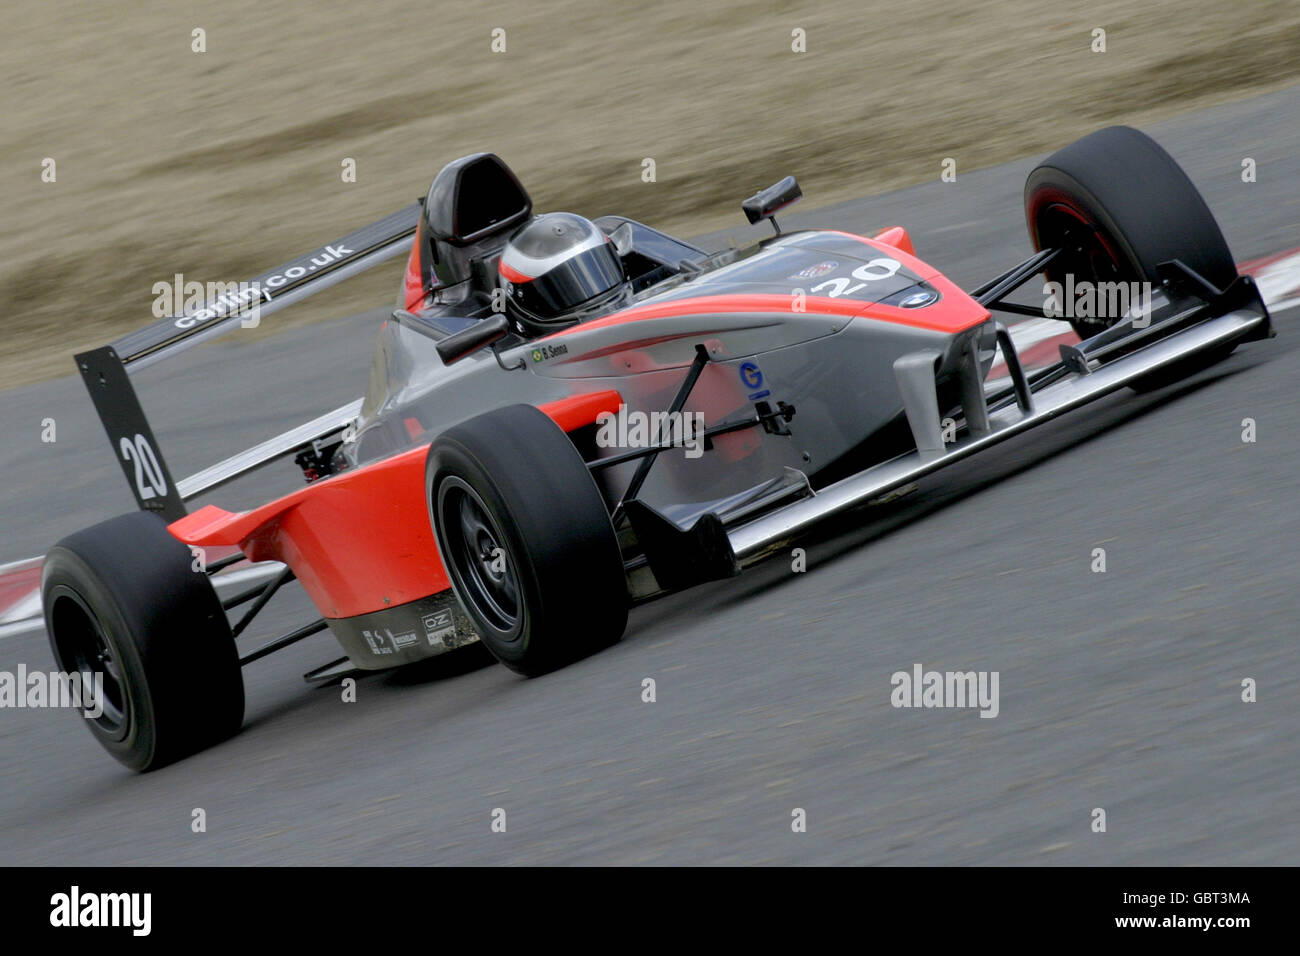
[558,269]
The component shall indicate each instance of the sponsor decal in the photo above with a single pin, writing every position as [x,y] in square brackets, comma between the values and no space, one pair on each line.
[385,642]
[820,269]
[751,376]
[378,642]
[244,294]
[919,300]
[327,256]
[439,628]
[403,640]
[210,301]
[544,352]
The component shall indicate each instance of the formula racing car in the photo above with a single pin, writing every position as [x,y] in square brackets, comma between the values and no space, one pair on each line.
[566,417]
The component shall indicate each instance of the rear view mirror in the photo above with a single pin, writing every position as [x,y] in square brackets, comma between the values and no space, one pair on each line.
[479,335]
[765,203]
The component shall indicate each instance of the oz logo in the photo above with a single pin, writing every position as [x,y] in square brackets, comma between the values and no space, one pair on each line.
[751,375]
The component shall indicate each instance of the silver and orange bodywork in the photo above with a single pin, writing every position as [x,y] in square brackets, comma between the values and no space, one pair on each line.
[855,335]
[787,322]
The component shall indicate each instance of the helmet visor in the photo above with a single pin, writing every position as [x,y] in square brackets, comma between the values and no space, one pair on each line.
[569,284]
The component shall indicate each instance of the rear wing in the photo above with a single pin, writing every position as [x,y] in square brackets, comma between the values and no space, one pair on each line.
[105,370]
[296,279]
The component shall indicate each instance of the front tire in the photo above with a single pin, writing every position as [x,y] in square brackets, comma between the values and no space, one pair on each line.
[526,539]
[1118,204]
[121,599]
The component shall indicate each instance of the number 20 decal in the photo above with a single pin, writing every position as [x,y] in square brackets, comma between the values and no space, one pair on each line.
[148,474]
[872,271]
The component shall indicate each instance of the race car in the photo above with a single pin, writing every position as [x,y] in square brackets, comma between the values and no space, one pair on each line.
[566,417]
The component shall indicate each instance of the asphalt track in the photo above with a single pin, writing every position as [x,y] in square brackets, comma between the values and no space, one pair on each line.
[1118,690]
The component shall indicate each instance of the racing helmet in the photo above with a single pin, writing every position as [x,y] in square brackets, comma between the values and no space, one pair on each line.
[557,269]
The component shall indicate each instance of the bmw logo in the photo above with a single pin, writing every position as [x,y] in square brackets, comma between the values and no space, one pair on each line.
[919,300]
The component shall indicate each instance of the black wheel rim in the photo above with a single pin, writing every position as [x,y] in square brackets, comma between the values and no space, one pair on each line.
[1087,253]
[83,646]
[479,561]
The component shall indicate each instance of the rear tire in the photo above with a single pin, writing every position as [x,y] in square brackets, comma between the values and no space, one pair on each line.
[1119,204]
[526,539]
[121,599]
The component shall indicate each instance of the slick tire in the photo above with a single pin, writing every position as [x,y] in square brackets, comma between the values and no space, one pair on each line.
[1119,205]
[121,599]
[526,540]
